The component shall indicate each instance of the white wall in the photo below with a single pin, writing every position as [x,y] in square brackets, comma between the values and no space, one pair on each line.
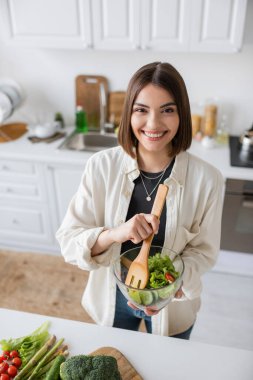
[47,76]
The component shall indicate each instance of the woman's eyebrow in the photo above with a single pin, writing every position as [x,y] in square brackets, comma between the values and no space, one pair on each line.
[162,106]
[168,104]
[141,105]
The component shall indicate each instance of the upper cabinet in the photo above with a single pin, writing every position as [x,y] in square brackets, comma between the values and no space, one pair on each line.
[217,25]
[162,25]
[46,23]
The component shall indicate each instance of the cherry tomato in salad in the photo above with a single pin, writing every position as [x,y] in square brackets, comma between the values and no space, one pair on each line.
[17,362]
[12,371]
[169,277]
[14,354]
[6,353]
[2,358]
[3,367]
[4,377]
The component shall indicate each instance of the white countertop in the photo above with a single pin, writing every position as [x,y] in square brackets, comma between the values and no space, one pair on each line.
[24,149]
[43,152]
[154,357]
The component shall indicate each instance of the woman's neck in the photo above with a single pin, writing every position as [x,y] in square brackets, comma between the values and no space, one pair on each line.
[153,162]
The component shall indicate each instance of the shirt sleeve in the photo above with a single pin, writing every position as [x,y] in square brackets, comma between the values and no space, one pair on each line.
[84,222]
[201,251]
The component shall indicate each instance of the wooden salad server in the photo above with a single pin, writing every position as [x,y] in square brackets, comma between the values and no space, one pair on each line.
[138,273]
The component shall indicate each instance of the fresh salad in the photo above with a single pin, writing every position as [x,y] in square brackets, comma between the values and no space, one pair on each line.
[162,272]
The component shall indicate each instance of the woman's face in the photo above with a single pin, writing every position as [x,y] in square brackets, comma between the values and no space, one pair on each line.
[154,119]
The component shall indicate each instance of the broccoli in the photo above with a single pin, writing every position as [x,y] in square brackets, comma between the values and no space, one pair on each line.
[82,367]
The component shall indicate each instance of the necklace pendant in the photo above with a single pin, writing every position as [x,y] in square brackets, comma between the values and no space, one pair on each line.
[148,198]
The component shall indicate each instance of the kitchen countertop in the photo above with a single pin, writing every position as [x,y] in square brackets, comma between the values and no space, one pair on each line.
[154,357]
[43,152]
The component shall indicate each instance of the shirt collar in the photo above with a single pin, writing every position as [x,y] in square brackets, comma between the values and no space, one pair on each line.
[178,173]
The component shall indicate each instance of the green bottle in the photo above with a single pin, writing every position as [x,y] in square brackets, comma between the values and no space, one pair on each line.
[81,120]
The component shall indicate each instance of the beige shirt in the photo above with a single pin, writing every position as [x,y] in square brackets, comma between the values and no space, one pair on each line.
[193,225]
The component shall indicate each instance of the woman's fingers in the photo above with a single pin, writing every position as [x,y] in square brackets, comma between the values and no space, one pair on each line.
[136,229]
[179,293]
[148,311]
[152,221]
[132,306]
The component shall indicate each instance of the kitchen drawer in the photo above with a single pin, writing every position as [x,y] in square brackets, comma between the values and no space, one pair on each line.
[12,190]
[22,220]
[10,167]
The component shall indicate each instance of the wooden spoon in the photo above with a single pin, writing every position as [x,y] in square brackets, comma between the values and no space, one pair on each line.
[138,273]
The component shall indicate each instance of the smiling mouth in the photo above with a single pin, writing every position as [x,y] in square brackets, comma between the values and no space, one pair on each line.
[155,135]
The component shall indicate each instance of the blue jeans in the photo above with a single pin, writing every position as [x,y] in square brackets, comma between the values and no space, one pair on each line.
[130,319]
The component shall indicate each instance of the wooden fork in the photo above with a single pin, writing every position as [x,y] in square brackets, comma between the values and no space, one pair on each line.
[138,273]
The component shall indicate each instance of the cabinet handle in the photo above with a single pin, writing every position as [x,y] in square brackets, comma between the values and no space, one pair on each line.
[15,221]
[9,190]
[247,204]
[5,167]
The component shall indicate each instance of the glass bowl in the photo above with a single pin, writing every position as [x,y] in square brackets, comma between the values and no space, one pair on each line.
[153,298]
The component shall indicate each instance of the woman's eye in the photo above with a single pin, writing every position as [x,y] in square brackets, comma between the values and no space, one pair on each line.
[139,110]
[169,110]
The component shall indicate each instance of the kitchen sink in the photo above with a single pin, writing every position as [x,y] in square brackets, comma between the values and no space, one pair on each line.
[91,141]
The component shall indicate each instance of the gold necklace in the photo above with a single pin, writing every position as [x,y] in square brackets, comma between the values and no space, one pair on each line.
[148,197]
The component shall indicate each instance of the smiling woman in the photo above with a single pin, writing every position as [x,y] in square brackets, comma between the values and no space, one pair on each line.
[112,209]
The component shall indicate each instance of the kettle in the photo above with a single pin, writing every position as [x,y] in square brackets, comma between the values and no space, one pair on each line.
[246,139]
[246,145]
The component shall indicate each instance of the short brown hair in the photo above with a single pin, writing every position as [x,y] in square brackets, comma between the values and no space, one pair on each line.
[167,77]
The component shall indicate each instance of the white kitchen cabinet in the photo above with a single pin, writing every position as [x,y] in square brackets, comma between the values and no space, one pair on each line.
[116,24]
[217,25]
[25,220]
[165,24]
[162,25]
[33,201]
[62,182]
[46,23]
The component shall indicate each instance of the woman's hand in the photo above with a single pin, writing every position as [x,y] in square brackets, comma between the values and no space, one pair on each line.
[179,293]
[136,229]
[148,310]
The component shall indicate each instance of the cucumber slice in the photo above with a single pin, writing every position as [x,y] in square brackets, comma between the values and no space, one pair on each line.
[135,295]
[146,297]
[167,292]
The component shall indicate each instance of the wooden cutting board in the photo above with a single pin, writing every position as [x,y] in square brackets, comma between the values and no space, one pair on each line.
[115,106]
[88,96]
[13,131]
[126,370]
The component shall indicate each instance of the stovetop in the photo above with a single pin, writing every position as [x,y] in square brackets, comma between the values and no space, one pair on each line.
[237,156]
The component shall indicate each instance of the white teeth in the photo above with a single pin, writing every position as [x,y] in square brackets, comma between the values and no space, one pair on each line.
[148,134]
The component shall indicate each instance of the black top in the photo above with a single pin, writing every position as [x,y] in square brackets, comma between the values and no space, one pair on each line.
[139,204]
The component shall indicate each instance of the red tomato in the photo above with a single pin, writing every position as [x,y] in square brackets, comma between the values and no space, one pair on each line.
[14,354]
[2,358]
[169,277]
[12,370]
[17,362]
[3,367]
[5,377]
[6,353]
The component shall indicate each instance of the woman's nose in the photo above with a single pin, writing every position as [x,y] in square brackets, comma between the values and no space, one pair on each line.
[152,120]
